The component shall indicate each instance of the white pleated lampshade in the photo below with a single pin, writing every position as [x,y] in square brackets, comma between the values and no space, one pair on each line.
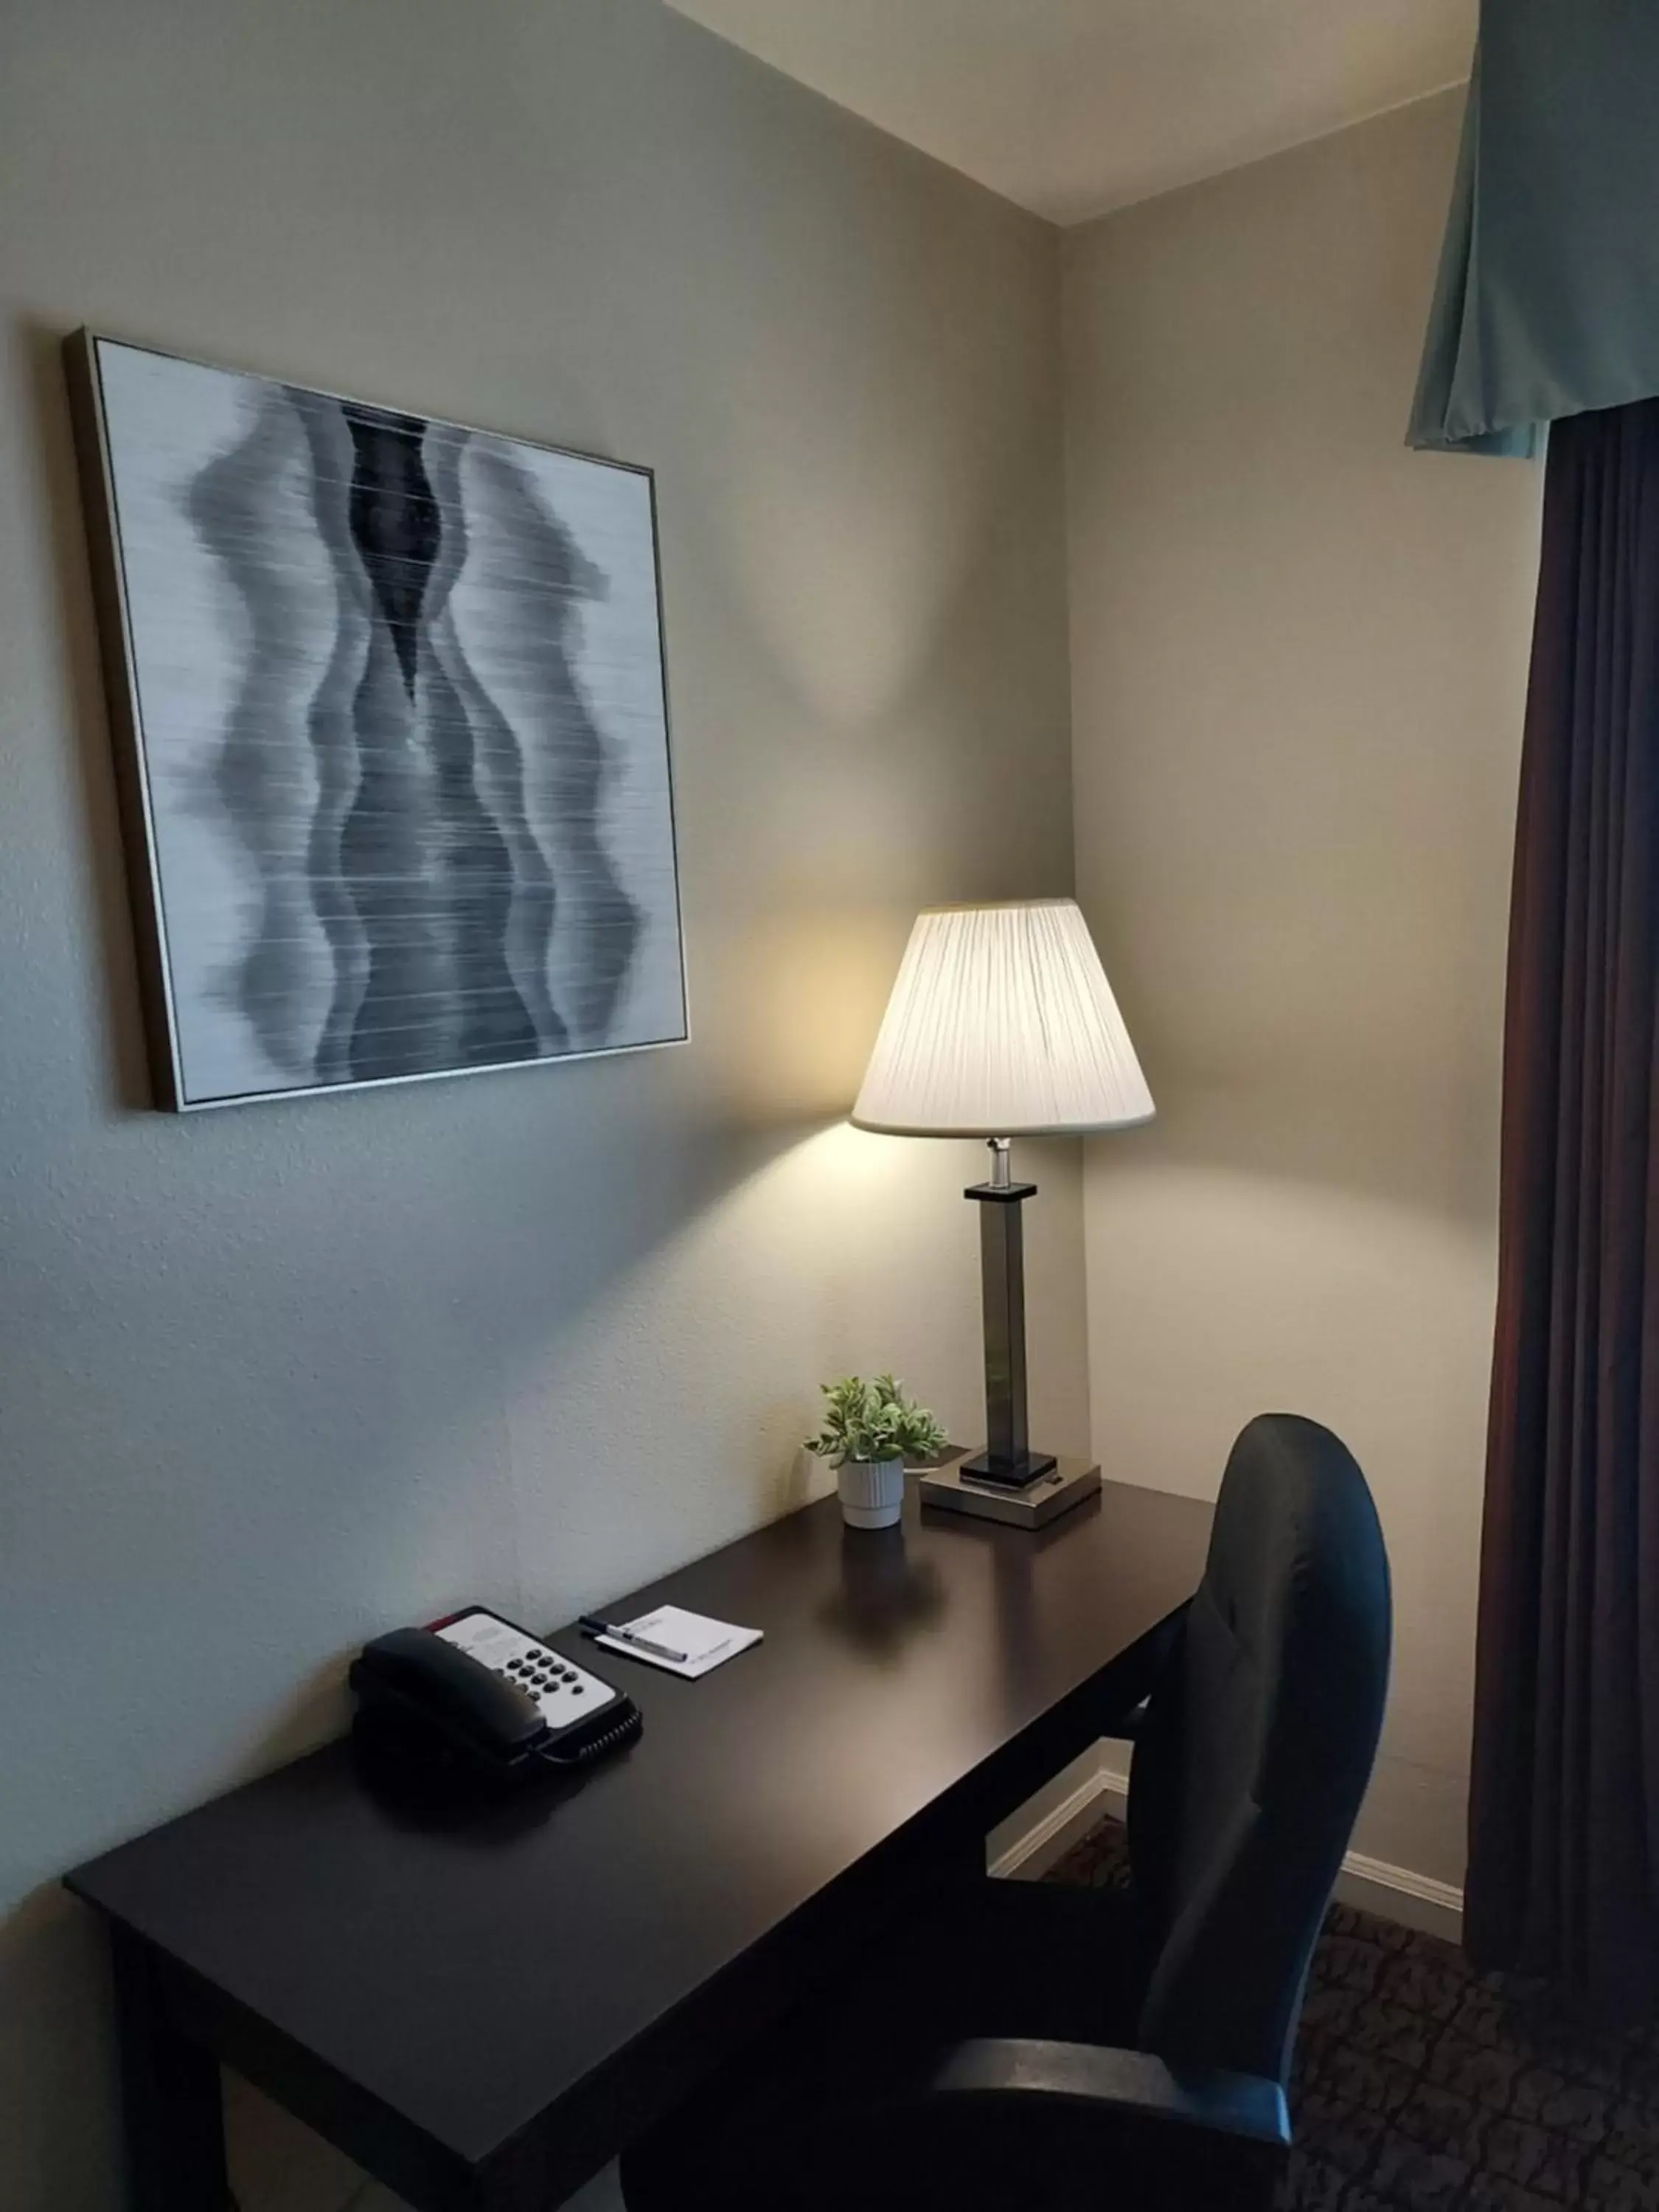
[1002,1025]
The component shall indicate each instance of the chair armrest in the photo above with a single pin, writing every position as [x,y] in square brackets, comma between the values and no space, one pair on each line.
[1129,2084]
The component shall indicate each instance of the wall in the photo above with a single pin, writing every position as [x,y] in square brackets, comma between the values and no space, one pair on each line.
[275,1378]
[1299,654]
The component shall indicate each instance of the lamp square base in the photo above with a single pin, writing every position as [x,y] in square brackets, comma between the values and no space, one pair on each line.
[1017,1474]
[953,1489]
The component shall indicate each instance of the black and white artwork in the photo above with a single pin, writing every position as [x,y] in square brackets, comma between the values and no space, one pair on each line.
[391,699]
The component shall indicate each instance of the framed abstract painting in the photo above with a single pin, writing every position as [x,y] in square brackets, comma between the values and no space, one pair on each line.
[391,726]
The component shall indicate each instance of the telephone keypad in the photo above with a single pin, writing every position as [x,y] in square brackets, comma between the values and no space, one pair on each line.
[564,1691]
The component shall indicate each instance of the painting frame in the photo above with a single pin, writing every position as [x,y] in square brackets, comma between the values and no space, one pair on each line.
[134,746]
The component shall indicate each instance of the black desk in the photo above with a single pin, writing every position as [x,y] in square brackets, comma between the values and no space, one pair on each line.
[481,2014]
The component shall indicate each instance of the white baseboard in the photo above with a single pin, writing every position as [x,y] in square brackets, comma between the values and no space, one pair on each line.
[1392,1893]
[1041,1833]
[1045,1828]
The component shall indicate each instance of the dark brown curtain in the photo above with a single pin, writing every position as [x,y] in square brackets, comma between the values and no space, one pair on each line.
[1564,1875]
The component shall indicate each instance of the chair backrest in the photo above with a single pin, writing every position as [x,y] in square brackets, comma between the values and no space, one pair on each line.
[1257,1747]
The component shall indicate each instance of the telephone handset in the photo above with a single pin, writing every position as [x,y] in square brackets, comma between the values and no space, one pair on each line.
[478,1696]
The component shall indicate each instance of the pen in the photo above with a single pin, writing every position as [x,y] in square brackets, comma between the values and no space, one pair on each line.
[596,1628]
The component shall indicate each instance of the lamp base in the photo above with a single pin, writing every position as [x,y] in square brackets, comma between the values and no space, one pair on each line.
[1019,1472]
[954,1489]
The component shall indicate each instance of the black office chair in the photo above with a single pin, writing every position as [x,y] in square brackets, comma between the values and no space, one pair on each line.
[1034,2048]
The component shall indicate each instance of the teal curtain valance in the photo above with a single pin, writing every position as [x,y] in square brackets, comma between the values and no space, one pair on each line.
[1549,299]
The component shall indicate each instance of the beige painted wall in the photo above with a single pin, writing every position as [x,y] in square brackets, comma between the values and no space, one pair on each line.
[275,1378]
[1298,658]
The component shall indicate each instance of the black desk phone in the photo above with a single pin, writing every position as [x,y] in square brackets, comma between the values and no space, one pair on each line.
[476,1696]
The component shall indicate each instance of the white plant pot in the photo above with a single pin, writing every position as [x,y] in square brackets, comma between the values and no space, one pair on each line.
[872,1493]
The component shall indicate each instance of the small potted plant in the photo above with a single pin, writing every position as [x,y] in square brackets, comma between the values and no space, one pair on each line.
[870,1430]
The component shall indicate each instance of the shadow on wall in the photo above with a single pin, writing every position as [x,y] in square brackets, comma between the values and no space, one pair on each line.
[127,1073]
[1353,1285]
[1342,1124]
[547,1248]
[57,2088]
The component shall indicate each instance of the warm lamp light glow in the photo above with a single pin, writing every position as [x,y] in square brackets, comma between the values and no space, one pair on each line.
[1002,1025]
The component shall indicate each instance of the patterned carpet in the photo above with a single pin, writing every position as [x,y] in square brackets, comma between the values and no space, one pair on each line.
[1421,2086]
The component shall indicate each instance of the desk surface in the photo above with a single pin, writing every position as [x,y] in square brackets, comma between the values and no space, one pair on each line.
[474,1984]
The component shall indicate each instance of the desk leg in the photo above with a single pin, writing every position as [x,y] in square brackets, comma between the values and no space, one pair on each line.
[172,2109]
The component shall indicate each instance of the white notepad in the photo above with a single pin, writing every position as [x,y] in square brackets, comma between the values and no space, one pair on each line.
[707,1643]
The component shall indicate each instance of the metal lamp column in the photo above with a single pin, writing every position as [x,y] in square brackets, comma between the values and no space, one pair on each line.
[1007,1457]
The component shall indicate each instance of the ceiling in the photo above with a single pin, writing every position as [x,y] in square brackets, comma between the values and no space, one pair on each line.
[1075,106]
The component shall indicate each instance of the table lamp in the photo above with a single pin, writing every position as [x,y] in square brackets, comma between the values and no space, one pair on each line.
[1002,1025]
